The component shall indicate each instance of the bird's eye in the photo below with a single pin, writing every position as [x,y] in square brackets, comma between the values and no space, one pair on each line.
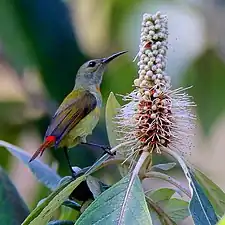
[91,64]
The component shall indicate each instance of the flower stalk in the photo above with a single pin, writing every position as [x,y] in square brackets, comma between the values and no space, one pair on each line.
[155,116]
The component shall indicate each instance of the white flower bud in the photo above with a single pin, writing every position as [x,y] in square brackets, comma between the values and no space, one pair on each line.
[141,67]
[157,26]
[146,59]
[159,66]
[149,73]
[146,68]
[147,77]
[155,36]
[143,72]
[162,51]
[154,68]
[147,93]
[151,33]
[142,77]
[154,47]
[158,70]
[153,17]
[152,58]
[153,77]
[155,52]
[143,56]
[148,23]
[143,83]
[150,63]
[158,14]
[137,82]
[152,28]
[154,107]
[150,54]
[158,60]
[159,76]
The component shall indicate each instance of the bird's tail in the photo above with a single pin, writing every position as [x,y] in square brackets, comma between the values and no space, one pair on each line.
[49,141]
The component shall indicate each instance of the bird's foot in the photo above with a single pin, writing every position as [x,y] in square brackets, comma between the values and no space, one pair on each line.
[106,149]
[74,175]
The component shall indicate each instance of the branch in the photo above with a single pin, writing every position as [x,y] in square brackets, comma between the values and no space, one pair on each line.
[169,179]
[159,211]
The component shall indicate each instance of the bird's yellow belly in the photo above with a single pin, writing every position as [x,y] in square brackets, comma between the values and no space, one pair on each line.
[82,129]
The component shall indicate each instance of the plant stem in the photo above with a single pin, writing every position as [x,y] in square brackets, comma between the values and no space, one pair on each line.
[100,161]
[134,173]
[169,179]
[140,163]
[121,145]
[159,211]
[116,161]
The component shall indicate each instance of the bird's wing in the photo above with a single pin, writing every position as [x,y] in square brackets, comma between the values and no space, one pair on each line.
[77,105]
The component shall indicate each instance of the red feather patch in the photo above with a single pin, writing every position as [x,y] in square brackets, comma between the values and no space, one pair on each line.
[47,143]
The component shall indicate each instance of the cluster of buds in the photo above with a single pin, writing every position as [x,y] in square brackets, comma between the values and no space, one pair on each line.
[156,116]
[152,53]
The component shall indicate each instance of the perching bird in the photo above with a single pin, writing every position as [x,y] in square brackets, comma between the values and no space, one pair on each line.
[79,112]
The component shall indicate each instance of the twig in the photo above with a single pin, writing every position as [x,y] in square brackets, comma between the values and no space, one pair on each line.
[169,179]
[159,211]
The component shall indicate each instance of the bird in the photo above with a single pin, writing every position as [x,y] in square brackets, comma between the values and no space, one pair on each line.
[79,112]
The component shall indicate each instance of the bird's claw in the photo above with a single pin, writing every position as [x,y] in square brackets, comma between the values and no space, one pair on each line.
[107,150]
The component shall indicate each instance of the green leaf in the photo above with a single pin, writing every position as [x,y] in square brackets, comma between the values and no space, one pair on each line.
[175,209]
[107,208]
[43,173]
[44,212]
[164,166]
[112,108]
[13,210]
[215,195]
[200,207]
[161,195]
[95,186]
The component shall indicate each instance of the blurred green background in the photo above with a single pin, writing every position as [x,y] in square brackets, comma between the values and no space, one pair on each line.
[43,43]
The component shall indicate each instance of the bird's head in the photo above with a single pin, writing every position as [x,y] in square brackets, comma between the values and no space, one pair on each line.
[90,73]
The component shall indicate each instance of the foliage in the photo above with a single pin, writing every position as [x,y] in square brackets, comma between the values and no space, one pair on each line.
[13,210]
[49,44]
[115,205]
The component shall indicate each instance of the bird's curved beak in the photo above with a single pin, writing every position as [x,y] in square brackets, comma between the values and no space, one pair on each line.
[110,58]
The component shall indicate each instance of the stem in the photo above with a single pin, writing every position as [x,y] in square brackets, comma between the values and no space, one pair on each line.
[120,145]
[99,162]
[176,156]
[140,163]
[135,172]
[159,211]
[115,161]
[169,179]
